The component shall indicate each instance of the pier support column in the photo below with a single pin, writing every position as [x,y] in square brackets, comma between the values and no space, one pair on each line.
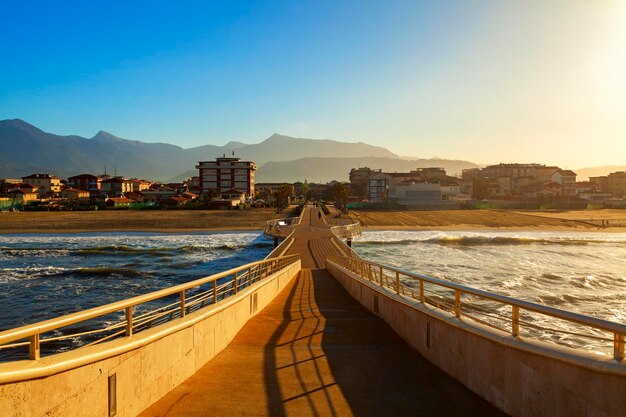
[349,242]
[275,242]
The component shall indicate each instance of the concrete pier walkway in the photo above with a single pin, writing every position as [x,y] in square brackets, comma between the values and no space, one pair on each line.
[314,351]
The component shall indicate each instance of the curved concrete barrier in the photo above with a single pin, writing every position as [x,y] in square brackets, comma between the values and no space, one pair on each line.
[123,377]
[522,378]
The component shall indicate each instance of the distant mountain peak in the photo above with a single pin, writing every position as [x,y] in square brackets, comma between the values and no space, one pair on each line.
[19,124]
[277,137]
[16,122]
[106,137]
[234,145]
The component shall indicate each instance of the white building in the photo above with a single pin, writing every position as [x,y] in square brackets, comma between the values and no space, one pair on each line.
[225,174]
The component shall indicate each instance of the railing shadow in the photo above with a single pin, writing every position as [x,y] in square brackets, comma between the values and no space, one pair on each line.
[330,356]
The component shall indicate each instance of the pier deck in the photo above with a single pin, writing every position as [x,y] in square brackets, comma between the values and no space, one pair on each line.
[315,351]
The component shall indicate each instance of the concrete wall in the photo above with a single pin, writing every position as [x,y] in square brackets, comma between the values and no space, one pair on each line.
[165,356]
[522,378]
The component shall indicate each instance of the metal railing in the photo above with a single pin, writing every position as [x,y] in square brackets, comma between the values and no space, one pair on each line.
[280,228]
[282,247]
[189,297]
[480,305]
[288,240]
[347,231]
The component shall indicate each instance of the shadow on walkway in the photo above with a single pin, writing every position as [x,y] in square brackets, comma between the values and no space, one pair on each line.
[315,351]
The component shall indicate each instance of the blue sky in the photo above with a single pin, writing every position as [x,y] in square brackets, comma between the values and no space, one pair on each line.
[488,81]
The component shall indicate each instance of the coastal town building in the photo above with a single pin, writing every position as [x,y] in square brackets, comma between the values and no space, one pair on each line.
[359,178]
[608,186]
[409,193]
[600,183]
[158,193]
[272,187]
[87,182]
[9,184]
[512,180]
[429,185]
[617,184]
[139,185]
[116,187]
[23,195]
[118,202]
[50,185]
[75,194]
[227,173]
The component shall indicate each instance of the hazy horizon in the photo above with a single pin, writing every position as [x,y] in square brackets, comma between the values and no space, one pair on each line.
[483,81]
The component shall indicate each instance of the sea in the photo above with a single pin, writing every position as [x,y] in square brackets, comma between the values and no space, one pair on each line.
[581,272]
[47,275]
[43,276]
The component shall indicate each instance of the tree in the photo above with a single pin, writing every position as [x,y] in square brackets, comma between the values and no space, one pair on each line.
[340,193]
[209,195]
[281,195]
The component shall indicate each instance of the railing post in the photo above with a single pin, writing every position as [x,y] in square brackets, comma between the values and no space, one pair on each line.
[34,350]
[422,298]
[397,282]
[515,322]
[457,303]
[214,291]
[249,275]
[129,321]
[618,347]
[380,276]
[182,303]
[235,284]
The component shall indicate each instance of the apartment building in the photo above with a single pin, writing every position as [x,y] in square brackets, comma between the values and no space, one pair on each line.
[87,182]
[225,174]
[617,184]
[519,180]
[419,186]
[50,184]
[75,194]
[116,187]
[138,186]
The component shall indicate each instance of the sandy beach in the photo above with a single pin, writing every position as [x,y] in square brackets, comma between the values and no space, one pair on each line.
[254,219]
[134,220]
[492,219]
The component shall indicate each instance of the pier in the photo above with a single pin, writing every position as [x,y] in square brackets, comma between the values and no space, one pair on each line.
[315,330]
[316,351]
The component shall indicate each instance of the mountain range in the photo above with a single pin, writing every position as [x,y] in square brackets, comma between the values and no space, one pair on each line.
[585,173]
[26,149]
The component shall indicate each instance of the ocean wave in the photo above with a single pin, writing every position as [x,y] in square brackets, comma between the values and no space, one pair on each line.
[33,251]
[124,250]
[101,271]
[31,272]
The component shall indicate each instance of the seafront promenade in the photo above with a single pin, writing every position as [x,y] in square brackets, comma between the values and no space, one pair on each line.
[315,351]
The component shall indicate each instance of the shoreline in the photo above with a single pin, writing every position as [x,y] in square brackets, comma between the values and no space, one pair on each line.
[473,228]
[132,230]
[400,228]
[217,221]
